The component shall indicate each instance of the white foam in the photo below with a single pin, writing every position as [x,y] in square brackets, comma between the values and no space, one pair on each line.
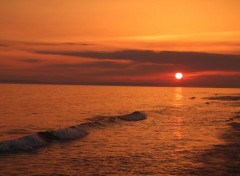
[69,133]
[23,144]
[135,116]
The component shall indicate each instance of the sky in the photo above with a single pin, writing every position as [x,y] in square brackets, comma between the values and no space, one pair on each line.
[120,42]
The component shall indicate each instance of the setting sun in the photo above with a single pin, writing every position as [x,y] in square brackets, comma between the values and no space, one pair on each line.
[178,75]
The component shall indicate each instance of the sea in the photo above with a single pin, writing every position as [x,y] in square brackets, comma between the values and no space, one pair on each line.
[80,130]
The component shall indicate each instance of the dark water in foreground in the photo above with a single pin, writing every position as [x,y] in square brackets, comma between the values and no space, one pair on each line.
[183,134]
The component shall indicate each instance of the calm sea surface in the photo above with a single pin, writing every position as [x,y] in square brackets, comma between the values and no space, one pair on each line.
[183,134]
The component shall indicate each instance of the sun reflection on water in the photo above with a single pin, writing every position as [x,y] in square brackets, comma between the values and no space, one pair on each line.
[178,97]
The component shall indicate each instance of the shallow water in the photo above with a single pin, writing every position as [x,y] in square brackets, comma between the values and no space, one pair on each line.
[179,136]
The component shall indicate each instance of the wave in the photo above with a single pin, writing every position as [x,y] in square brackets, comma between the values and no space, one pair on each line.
[224,98]
[44,138]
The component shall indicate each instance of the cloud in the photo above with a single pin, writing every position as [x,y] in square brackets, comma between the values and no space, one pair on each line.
[31,60]
[58,44]
[123,67]
[12,42]
[185,61]
[97,64]
[3,45]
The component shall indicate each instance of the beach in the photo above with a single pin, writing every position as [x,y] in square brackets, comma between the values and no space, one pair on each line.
[118,130]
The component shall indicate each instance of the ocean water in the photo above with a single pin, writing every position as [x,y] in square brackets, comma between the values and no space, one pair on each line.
[92,130]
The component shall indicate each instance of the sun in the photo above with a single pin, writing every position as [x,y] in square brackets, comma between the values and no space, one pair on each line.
[178,75]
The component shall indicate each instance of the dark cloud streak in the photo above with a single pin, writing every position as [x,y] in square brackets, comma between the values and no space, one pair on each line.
[187,61]
[31,60]
[98,64]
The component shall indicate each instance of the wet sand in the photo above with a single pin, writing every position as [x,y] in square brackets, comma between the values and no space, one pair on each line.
[223,159]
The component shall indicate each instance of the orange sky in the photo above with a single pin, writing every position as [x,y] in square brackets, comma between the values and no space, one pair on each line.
[76,20]
[34,34]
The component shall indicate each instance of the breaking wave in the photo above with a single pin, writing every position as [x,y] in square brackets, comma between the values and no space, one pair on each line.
[44,138]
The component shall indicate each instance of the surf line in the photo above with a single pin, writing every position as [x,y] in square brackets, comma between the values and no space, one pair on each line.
[44,138]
